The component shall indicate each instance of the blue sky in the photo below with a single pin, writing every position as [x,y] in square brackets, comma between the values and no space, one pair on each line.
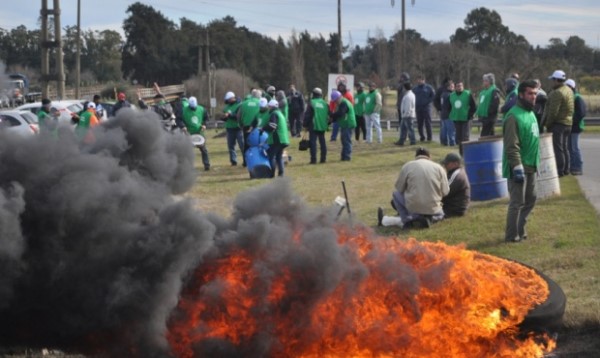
[435,20]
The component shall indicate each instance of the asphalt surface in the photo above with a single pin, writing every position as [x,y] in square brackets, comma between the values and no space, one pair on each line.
[590,180]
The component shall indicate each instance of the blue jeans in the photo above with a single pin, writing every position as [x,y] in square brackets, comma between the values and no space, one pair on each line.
[313,137]
[406,127]
[233,135]
[335,127]
[275,154]
[576,160]
[447,132]
[346,136]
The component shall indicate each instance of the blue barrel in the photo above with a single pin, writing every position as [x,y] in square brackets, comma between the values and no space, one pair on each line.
[483,164]
[257,163]
[257,137]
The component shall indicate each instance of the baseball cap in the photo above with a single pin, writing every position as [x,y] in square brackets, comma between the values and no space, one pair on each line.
[91,105]
[193,102]
[273,103]
[262,103]
[335,95]
[558,75]
[570,83]
[452,158]
[229,95]
[121,96]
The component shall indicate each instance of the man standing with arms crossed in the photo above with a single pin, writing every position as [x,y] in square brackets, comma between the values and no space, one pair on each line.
[520,160]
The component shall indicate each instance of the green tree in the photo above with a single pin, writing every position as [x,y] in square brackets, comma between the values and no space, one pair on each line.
[148,51]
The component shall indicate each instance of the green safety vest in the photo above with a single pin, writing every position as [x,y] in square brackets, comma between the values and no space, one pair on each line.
[485,98]
[194,119]
[349,121]
[582,123]
[359,103]
[232,121]
[460,106]
[263,118]
[370,102]
[529,139]
[249,109]
[84,124]
[282,129]
[320,114]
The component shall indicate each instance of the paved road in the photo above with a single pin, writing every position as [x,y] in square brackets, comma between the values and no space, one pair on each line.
[590,180]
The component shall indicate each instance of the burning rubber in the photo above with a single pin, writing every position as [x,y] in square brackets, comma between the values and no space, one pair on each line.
[98,258]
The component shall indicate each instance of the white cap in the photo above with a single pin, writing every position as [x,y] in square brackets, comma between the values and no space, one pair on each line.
[570,83]
[273,103]
[558,75]
[262,103]
[229,95]
[91,105]
[193,102]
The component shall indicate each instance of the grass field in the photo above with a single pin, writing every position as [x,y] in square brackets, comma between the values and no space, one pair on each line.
[564,231]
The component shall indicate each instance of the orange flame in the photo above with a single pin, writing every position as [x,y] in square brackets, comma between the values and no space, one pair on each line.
[402,299]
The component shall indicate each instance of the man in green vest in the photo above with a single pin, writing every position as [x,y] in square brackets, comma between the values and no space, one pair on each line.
[278,137]
[232,126]
[194,122]
[246,114]
[373,105]
[489,101]
[346,119]
[44,119]
[316,122]
[520,160]
[359,111]
[462,109]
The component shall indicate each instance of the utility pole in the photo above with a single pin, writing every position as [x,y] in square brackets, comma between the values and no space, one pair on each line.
[403,35]
[78,56]
[59,75]
[340,65]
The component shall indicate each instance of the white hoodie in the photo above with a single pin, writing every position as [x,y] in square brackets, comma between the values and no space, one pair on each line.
[407,109]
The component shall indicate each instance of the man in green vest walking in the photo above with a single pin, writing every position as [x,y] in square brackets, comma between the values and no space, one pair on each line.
[278,137]
[520,160]
[194,122]
[232,126]
[463,108]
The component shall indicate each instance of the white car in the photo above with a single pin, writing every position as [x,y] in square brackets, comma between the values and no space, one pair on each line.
[22,123]
[66,108]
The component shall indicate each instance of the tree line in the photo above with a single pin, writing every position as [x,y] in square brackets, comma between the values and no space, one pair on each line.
[156,49]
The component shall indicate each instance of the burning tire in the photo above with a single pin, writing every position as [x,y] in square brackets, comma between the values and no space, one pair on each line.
[549,314]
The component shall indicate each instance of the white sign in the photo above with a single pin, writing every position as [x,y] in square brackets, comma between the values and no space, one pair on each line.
[213,102]
[335,79]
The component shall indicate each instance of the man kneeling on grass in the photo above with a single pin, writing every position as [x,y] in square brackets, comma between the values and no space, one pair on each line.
[420,188]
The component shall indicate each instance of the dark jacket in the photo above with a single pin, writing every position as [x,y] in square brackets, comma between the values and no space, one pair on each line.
[578,115]
[117,106]
[424,94]
[445,104]
[457,201]
[296,102]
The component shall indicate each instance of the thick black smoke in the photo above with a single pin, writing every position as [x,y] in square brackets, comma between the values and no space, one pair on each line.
[93,249]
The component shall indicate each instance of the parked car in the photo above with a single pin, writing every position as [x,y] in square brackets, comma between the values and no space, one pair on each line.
[66,108]
[22,123]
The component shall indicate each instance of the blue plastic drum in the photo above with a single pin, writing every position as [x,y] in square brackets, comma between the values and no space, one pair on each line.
[256,138]
[257,163]
[483,164]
